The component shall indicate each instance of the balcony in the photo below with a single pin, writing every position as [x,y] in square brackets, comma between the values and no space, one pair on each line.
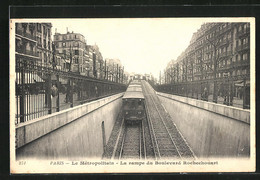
[243,33]
[225,54]
[242,47]
[229,53]
[27,52]
[228,27]
[241,63]
[224,42]
[25,34]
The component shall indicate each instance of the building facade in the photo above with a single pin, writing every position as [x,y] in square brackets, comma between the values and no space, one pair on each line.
[44,43]
[217,51]
[70,49]
[99,62]
[26,45]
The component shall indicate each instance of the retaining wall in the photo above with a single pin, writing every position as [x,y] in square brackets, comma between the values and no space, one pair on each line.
[212,130]
[72,134]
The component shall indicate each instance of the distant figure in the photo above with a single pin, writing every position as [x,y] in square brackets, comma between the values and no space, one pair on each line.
[96,91]
[54,91]
[205,94]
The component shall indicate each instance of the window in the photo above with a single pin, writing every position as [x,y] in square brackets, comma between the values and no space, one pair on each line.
[39,28]
[76,52]
[244,41]
[44,30]
[45,44]
[244,56]
[45,57]
[239,58]
[240,28]
[64,44]
[228,62]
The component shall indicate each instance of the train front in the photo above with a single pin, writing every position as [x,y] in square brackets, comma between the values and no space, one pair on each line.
[133,110]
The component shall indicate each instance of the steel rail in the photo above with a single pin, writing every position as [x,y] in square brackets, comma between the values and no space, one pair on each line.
[165,126]
[151,129]
[117,140]
[122,145]
[144,143]
[140,141]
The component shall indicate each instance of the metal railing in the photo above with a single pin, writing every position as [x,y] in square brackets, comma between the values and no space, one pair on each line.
[230,91]
[42,90]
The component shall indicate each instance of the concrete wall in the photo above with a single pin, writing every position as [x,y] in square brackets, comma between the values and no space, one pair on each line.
[71,134]
[211,129]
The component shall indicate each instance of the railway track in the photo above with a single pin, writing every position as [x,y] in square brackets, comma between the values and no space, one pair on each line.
[133,144]
[155,137]
[167,140]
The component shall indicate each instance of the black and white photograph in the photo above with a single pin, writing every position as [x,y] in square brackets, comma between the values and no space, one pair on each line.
[132,95]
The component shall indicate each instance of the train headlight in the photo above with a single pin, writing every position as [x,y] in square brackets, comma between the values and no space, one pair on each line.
[139,112]
[126,112]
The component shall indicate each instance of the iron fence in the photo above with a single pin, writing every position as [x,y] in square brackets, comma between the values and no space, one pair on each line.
[42,90]
[231,91]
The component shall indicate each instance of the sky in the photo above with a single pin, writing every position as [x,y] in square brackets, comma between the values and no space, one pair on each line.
[144,45]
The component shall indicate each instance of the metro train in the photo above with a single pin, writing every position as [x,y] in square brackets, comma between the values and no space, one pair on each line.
[134,103]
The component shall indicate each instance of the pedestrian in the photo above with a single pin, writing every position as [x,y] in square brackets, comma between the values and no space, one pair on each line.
[54,91]
[205,94]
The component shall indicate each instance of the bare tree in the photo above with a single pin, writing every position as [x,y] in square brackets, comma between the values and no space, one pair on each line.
[216,59]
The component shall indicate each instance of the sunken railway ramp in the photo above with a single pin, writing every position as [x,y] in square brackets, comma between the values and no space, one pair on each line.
[156,137]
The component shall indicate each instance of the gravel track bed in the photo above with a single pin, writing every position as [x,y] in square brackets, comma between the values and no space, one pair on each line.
[113,137]
[118,148]
[131,147]
[148,141]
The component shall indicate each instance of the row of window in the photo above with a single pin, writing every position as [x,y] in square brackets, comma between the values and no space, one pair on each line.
[237,58]
[42,28]
[196,42]
[70,44]
[69,37]
[74,52]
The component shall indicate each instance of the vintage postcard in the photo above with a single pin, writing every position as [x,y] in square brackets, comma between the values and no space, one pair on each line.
[132,95]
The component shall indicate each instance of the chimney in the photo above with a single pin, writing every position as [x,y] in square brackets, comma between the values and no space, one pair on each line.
[67,29]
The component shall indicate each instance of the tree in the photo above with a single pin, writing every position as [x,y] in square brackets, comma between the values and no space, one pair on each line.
[216,59]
